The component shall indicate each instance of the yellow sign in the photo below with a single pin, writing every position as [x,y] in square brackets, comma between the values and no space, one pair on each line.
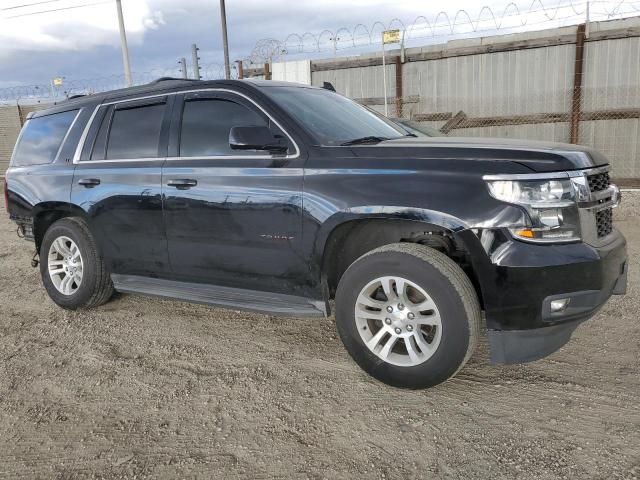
[391,36]
[57,81]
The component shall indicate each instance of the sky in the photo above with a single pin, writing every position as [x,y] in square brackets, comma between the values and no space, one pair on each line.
[83,43]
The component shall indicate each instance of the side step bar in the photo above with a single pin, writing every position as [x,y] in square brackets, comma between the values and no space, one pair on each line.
[233,298]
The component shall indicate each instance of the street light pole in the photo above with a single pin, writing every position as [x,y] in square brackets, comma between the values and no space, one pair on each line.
[225,43]
[123,44]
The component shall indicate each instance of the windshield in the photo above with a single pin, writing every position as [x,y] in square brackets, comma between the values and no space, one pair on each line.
[331,118]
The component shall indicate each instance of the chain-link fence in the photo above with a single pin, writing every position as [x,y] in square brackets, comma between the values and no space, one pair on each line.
[555,85]
[605,119]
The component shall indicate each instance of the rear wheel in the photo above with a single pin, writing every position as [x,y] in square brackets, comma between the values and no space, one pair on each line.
[408,315]
[73,272]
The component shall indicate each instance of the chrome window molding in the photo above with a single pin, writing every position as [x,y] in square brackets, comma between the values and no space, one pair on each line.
[83,138]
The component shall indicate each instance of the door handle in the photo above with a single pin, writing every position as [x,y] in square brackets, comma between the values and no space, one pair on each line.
[89,182]
[182,183]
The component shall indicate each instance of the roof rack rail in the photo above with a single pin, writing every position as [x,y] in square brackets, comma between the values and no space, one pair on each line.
[78,95]
[166,79]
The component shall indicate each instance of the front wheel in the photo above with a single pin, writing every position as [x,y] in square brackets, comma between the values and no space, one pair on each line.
[73,272]
[408,315]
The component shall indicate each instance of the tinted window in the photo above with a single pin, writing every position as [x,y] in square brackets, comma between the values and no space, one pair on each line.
[135,132]
[331,118]
[42,137]
[100,146]
[206,124]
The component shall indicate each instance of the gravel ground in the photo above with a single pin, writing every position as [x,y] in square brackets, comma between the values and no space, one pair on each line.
[148,388]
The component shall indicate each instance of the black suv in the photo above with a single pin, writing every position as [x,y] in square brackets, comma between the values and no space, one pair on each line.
[278,198]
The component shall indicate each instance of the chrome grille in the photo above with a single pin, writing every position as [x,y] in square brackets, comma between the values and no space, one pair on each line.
[604,222]
[599,181]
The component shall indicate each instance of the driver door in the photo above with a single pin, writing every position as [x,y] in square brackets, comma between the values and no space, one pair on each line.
[232,217]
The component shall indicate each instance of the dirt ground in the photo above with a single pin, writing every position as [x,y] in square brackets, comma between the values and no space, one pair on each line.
[148,388]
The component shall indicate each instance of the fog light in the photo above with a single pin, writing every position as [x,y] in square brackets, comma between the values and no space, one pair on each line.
[559,305]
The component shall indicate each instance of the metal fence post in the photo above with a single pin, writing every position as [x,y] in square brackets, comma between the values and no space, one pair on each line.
[384,79]
[577,85]
[399,94]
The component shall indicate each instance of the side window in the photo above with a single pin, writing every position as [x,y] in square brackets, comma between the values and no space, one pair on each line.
[206,124]
[100,146]
[135,132]
[42,137]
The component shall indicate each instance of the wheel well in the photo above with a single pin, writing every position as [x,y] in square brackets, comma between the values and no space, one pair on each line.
[351,240]
[45,218]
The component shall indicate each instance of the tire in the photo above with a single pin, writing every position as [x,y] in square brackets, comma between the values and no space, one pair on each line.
[95,287]
[438,291]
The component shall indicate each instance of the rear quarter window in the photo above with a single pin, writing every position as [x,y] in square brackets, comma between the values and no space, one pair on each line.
[41,138]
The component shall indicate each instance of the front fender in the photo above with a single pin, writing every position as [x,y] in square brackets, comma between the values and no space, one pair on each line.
[430,218]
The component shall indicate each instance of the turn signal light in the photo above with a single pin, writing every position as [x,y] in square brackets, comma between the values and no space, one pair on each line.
[525,233]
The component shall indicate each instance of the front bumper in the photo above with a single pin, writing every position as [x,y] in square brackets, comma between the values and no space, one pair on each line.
[519,281]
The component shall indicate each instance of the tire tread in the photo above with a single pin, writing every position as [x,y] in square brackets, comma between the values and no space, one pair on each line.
[103,289]
[458,279]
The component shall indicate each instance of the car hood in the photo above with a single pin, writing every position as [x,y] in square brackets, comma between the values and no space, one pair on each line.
[536,156]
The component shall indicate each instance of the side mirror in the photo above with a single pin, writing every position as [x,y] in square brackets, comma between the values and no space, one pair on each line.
[255,138]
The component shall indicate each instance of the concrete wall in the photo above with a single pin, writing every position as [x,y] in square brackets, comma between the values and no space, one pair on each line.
[9,130]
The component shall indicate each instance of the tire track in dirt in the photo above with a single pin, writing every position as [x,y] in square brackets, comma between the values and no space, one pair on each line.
[144,387]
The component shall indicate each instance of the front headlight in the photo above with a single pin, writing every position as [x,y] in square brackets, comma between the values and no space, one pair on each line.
[551,205]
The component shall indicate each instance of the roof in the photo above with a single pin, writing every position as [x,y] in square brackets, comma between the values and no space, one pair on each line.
[158,86]
[173,84]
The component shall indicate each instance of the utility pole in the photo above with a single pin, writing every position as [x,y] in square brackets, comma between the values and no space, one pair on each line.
[384,79]
[225,43]
[123,44]
[183,67]
[587,21]
[195,58]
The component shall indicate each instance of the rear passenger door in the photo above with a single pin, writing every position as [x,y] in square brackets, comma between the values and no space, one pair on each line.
[117,181]
[236,221]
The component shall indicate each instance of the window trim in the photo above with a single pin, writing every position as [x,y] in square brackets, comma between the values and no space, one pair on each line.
[83,138]
[108,116]
[217,97]
[124,106]
[64,139]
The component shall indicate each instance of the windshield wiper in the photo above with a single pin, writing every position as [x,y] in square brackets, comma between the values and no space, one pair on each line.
[372,140]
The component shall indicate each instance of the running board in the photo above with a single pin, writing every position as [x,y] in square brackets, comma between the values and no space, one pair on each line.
[233,298]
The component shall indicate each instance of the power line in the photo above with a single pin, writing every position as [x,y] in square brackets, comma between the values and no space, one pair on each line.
[57,9]
[29,4]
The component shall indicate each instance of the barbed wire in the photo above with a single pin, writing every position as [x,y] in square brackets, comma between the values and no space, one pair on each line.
[444,25]
[511,17]
[71,87]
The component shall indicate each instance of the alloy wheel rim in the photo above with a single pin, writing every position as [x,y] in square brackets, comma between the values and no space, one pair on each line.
[65,265]
[398,321]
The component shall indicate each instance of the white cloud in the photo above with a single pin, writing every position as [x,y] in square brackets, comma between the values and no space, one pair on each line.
[72,29]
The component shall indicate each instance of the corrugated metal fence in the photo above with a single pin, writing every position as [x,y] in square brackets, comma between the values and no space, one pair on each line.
[557,85]
[574,84]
